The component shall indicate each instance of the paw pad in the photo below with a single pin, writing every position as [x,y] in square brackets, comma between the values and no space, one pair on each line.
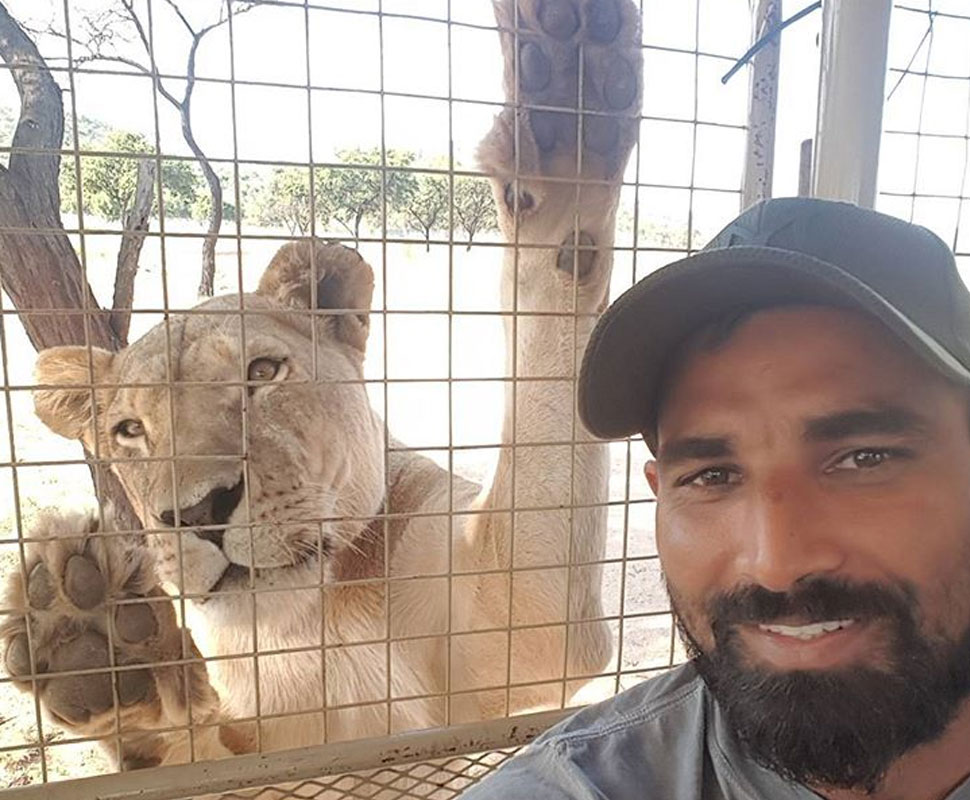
[535,69]
[546,127]
[17,658]
[135,622]
[76,697]
[620,85]
[134,686]
[40,587]
[83,582]
[603,21]
[558,18]
[601,134]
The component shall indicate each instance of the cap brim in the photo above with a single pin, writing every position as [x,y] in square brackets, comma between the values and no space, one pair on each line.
[629,346]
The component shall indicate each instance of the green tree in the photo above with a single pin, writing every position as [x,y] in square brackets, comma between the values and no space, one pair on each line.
[201,207]
[354,195]
[90,132]
[426,208]
[181,187]
[108,182]
[474,207]
[284,201]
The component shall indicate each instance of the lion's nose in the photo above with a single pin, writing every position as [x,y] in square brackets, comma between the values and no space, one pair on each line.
[213,509]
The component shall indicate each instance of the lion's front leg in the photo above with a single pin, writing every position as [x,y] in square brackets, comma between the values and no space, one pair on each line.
[557,152]
[98,641]
[573,72]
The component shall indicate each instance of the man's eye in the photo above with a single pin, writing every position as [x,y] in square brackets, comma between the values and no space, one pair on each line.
[712,476]
[864,459]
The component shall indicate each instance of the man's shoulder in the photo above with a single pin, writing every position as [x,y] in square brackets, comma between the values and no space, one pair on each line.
[647,741]
[671,695]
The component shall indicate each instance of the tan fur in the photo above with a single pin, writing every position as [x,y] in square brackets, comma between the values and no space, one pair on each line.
[421,572]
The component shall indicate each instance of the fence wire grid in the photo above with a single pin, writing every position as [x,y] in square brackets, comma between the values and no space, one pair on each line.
[297,104]
[924,168]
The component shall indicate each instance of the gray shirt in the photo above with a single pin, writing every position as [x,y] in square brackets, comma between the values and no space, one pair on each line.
[665,739]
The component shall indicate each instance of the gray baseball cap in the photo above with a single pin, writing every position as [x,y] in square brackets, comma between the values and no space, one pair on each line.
[778,252]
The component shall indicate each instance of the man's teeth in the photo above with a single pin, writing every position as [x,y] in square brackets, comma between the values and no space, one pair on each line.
[805,632]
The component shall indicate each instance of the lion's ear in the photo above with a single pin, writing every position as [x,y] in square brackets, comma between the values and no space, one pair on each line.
[344,281]
[69,372]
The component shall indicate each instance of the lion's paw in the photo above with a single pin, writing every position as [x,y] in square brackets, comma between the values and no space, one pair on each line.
[556,153]
[93,635]
[573,73]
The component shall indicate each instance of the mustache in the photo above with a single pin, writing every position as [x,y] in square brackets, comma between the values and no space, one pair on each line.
[814,600]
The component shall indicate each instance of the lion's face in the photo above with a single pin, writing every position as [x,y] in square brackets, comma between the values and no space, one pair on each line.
[253,430]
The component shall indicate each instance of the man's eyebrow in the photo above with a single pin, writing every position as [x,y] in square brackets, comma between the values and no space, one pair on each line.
[690,448]
[862,422]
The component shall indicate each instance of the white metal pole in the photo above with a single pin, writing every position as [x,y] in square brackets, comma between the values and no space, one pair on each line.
[855,37]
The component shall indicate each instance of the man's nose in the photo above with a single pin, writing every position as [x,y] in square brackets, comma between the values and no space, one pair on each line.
[788,538]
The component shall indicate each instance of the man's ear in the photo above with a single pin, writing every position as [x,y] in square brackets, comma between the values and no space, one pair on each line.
[69,372]
[653,477]
[343,281]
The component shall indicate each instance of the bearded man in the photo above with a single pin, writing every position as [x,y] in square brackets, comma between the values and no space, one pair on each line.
[802,384]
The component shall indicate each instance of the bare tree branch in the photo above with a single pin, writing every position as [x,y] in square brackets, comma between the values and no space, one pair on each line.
[224,16]
[102,33]
[181,16]
[117,60]
[136,21]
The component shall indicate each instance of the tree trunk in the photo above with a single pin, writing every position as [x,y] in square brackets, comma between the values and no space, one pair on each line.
[357,221]
[38,266]
[136,226]
[208,277]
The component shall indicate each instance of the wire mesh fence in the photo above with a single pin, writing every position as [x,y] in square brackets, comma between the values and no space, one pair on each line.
[437,764]
[924,163]
[355,122]
[287,128]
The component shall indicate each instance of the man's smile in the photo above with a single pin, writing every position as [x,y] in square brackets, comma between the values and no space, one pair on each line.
[816,645]
[808,631]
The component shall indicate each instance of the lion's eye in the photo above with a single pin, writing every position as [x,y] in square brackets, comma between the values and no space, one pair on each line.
[129,429]
[264,369]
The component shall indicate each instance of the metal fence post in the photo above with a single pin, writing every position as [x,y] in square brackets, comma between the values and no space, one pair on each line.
[762,107]
[855,39]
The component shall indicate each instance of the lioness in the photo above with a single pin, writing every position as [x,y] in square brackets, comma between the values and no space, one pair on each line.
[329,589]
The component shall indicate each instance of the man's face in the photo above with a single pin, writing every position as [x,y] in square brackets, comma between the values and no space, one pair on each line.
[813,522]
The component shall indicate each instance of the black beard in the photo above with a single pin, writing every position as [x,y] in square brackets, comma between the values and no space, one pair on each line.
[839,728]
